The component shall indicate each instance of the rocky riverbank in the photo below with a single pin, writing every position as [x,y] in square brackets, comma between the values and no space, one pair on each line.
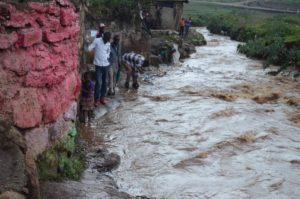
[164,41]
[95,182]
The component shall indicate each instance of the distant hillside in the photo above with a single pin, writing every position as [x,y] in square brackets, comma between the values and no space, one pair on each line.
[277,4]
[293,5]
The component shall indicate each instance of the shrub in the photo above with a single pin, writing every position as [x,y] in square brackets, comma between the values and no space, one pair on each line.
[293,57]
[62,161]
[275,40]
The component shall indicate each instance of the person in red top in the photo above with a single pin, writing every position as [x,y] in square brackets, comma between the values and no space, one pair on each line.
[181,27]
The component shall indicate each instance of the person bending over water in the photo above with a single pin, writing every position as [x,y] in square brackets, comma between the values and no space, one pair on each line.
[133,62]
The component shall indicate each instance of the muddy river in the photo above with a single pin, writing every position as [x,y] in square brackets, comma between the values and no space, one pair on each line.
[216,127]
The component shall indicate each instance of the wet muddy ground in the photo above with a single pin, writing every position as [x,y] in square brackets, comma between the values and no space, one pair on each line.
[216,127]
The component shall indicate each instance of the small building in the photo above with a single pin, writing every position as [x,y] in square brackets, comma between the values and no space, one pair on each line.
[167,13]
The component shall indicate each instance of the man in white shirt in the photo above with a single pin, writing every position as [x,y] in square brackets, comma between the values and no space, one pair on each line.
[101,46]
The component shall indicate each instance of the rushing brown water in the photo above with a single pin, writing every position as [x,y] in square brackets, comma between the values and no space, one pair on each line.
[217,127]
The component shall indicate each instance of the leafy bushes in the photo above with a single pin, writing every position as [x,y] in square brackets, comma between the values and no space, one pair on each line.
[195,38]
[270,44]
[275,39]
[124,11]
[111,10]
[63,160]
[243,33]
[110,3]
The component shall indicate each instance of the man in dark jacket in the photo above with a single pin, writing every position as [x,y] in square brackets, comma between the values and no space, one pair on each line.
[114,59]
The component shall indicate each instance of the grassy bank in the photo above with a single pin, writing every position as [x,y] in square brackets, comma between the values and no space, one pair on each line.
[274,38]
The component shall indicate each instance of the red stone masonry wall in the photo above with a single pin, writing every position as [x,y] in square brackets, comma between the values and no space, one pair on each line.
[38,62]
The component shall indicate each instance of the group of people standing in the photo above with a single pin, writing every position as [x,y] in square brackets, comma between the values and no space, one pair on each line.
[108,61]
[184,26]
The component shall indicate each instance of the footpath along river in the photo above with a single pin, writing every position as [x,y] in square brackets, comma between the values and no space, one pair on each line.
[216,127]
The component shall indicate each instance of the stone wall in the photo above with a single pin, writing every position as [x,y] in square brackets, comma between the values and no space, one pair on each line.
[134,41]
[39,79]
[39,59]
[169,17]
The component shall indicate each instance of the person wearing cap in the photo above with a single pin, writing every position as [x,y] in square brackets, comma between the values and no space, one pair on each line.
[133,62]
[101,47]
[101,30]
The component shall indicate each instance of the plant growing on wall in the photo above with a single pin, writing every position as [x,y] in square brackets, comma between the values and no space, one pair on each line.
[62,160]
[124,11]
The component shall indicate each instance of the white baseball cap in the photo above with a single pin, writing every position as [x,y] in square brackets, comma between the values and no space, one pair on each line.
[102,25]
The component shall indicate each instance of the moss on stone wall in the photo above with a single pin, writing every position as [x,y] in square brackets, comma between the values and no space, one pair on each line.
[196,39]
[163,43]
[63,160]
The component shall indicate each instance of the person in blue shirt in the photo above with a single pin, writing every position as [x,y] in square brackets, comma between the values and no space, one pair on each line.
[187,25]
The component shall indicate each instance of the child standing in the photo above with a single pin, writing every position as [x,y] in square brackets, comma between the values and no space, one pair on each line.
[87,97]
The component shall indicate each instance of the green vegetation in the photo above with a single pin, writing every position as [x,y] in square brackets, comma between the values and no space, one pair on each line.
[287,1]
[124,11]
[112,3]
[62,161]
[112,9]
[221,1]
[277,41]
[272,37]
[196,39]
